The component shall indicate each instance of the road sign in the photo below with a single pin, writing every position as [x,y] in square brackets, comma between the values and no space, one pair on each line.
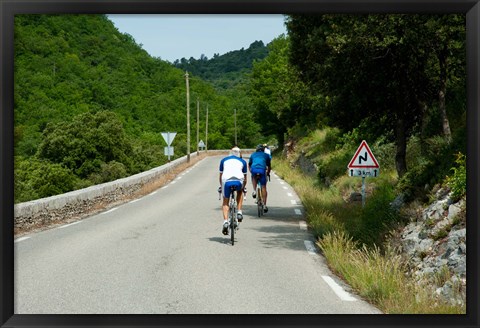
[168,137]
[363,158]
[363,164]
[168,151]
[201,144]
[364,172]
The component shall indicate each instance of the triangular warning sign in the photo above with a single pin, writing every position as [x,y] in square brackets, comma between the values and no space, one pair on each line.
[363,158]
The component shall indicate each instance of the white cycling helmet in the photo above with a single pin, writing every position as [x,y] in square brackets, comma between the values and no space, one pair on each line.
[235,151]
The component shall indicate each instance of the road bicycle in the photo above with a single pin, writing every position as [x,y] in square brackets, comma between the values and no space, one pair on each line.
[259,195]
[232,212]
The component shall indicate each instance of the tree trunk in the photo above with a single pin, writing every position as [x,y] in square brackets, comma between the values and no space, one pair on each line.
[442,58]
[401,143]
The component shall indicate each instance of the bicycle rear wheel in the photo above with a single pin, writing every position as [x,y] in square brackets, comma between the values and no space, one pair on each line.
[232,223]
[259,202]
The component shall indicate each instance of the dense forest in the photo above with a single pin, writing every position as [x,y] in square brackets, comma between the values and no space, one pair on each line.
[90,105]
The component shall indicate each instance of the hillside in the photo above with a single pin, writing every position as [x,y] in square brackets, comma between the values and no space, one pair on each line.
[228,70]
[90,106]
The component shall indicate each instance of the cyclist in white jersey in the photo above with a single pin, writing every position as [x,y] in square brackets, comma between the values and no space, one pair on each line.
[233,171]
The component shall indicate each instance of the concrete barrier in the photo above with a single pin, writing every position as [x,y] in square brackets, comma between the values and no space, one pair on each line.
[83,202]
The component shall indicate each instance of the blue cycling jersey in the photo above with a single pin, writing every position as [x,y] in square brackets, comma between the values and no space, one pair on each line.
[259,160]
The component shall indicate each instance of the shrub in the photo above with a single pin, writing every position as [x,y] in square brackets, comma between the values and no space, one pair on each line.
[458,181]
[36,179]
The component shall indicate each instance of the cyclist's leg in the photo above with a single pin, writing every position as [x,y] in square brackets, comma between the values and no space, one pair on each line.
[240,201]
[226,197]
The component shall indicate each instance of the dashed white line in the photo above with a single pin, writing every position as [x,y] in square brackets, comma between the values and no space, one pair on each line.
[344,296]
[303,225]
[68,225]
[285,188]
[173,182]
[293,201]
[310,246]
[179,178]
[281,182]
[21,239]
[289,194]
[297,211]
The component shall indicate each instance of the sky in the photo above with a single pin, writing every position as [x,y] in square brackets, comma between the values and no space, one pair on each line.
[172,37]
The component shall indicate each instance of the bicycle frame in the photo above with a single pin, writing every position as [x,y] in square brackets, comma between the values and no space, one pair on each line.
[259,196]
[232,214]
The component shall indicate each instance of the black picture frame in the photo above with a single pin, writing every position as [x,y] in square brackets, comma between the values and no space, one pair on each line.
[9,8]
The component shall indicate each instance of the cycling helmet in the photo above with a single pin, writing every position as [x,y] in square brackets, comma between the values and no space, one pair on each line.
[260,147]
[235,151]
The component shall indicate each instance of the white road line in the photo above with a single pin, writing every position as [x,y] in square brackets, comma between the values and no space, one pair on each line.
[173,182]
[310,246]
[113,209]
[164,187]
[303,225]
[21,239]
[297,211]
[67,225]
[135,200]
[289,194]
[153,193]
[293,201]
[285,188]
[281,182]
[179,178]
[344,296]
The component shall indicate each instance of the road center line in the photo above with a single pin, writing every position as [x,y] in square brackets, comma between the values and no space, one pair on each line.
[344,296]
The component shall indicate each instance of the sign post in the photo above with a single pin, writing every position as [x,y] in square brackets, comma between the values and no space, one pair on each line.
[168,137]
[363,164]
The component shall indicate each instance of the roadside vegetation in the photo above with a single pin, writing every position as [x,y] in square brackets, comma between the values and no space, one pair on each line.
[355,240]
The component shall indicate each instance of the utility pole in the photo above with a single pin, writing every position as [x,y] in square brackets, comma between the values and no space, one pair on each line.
[235,118]
[206,132]
[198,123]
[188,118]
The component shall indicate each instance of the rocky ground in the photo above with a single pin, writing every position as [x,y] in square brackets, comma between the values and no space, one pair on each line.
[434,246]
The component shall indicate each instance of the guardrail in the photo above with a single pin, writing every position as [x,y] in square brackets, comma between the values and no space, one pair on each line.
[83,202]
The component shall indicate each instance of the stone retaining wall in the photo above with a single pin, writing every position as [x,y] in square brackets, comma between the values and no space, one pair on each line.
[89,200]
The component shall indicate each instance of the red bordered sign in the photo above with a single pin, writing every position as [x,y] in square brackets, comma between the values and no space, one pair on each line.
[364,163]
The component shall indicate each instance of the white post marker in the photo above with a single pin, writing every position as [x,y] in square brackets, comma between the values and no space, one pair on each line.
[363,164]
[168,137]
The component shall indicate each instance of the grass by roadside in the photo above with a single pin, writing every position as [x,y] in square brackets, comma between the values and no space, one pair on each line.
[352,239]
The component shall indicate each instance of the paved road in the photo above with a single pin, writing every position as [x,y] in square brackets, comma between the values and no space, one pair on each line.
[165,253]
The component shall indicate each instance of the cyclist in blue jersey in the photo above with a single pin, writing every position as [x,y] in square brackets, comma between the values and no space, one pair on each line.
[233,172]
[259,162]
